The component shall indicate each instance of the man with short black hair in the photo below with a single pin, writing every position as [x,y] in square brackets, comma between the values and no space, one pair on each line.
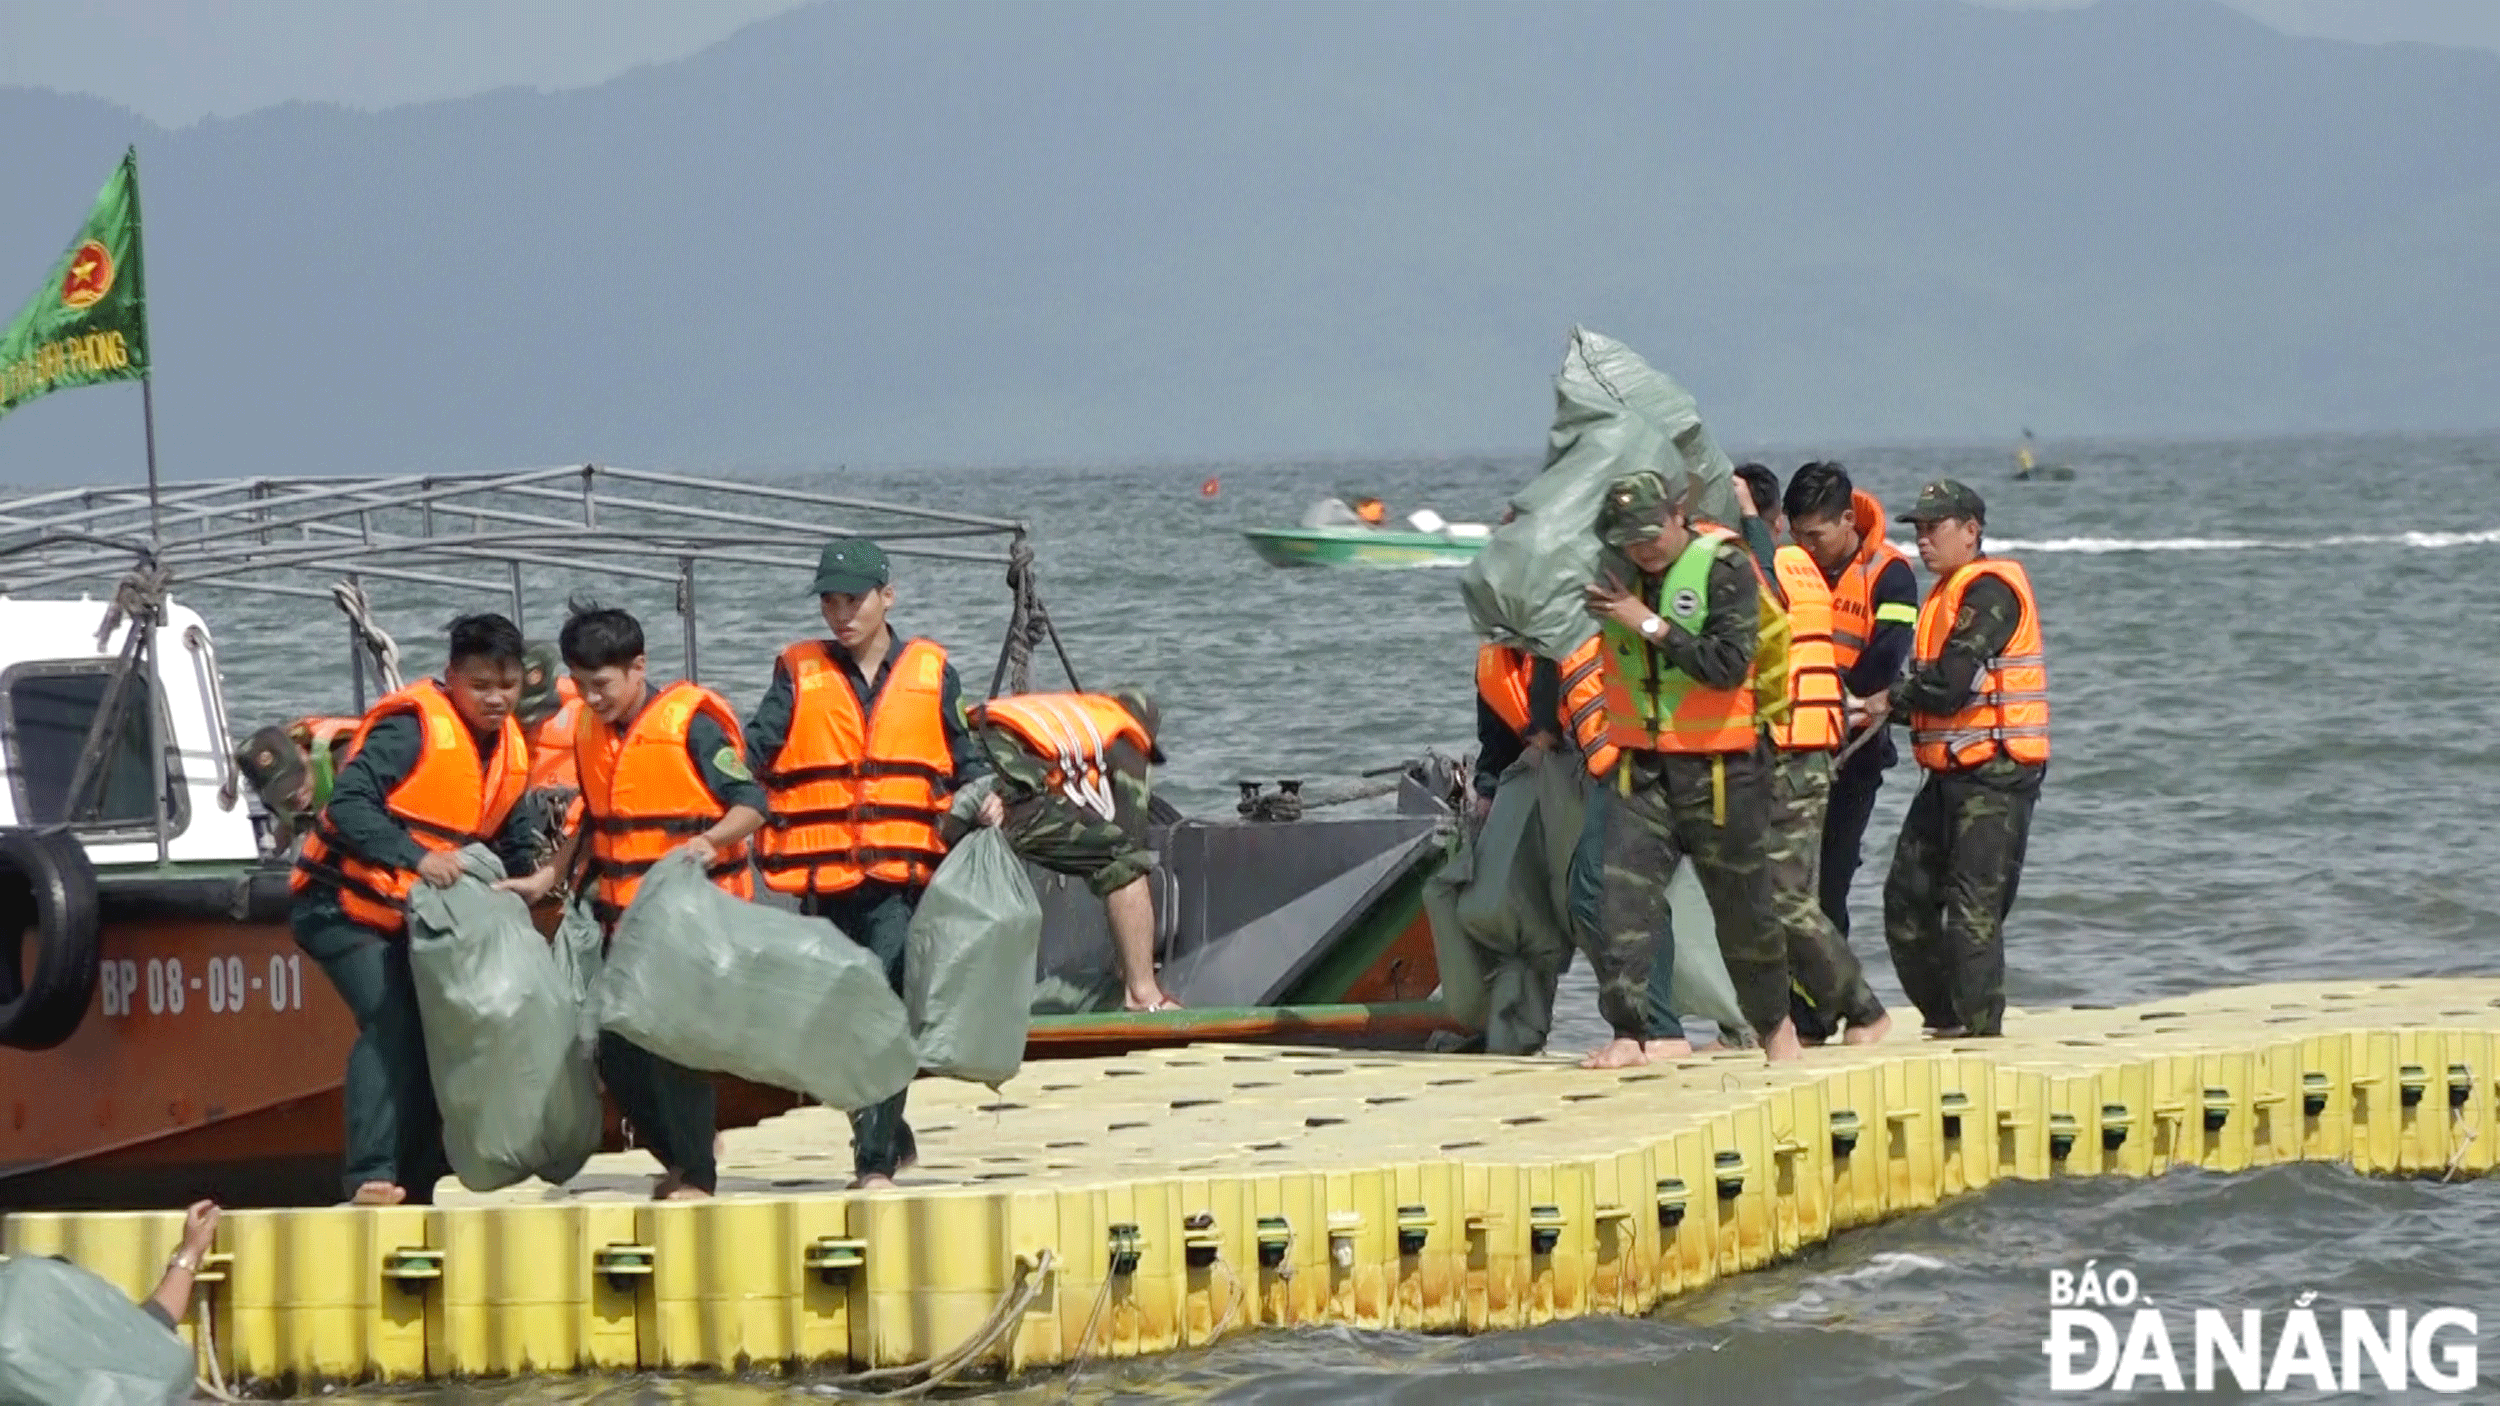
[434,767]
[662,770]
[1874,607]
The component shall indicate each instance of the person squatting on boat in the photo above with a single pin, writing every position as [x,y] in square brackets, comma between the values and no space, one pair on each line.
[861,740]
[1075,777]
[1874,610]
[661,770]
[1828,986]
[434,767]
[1976,701]
[1681,640]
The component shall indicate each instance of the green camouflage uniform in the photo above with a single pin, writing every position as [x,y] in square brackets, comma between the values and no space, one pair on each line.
[1826,974]
[1960,856]
[1108,852]
[1669,806]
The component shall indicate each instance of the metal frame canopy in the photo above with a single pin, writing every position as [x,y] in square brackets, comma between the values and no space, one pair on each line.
[320,537]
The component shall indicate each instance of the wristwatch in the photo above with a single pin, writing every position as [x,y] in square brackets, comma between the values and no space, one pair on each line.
[1652,627]
[183,1262]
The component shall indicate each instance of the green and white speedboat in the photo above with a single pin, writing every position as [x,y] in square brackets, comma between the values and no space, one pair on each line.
[1339,538]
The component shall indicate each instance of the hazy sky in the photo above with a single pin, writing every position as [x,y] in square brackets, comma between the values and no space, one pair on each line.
[177,61]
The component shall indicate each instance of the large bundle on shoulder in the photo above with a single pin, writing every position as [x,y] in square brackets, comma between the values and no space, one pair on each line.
[705,979]
[1613,415]
[503,1032]
[68,1338]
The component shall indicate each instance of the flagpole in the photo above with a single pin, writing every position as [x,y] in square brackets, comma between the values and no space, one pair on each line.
[147,413]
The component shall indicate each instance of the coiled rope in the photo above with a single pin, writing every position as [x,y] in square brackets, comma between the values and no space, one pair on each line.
[372,638]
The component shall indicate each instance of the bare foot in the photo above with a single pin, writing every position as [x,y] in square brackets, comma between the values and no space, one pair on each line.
[1782,1044]
[1621,1052]
[670,1183]
[1148,1002]
[378,1193]
[872,1182]
[1678,1047]
[683,1192]
[1868,1034]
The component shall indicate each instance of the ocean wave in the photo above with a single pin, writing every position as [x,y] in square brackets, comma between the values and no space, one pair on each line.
[2428,541]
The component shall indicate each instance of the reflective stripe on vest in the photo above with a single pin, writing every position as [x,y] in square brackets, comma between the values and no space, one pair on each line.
[1502,682]
[1072,734]
[1652,706]
[1813,720]
[2008,711]
[1584,704]
[644,796]
[1854,612]
[858,798]
[450,799]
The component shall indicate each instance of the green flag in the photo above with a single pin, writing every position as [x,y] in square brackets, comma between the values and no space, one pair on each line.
[88,323]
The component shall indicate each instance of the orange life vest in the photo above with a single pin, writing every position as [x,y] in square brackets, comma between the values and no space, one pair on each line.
[2008,711]
[1652,706]
[859,797]
[1584,704]
[1072,734]
[1854,614]
[1813,720]
[551,746]
[450,799]
[645,797]
[1502,682]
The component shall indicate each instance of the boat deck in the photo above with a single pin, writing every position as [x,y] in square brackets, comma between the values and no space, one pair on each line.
[1158,1200]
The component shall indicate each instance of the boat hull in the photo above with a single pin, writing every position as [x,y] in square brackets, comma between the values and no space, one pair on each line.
[210,1061]
[1322,546]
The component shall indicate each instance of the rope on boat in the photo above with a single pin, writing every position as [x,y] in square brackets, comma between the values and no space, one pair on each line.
[1028,625]
[375,640]
[1031,1275]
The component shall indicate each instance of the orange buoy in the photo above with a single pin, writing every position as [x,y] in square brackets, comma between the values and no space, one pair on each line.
[1210,488]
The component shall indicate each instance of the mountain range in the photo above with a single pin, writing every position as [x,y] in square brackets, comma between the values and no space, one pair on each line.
[1012,234]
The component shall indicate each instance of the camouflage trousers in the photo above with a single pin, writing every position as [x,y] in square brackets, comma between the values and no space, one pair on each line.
[1677,807]
[1954,873]
[1824,973]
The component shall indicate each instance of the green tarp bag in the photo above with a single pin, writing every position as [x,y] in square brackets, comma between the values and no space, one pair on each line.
[503,1033]
[1613,415]
[968,981]
[707,980]
[68,1338]
[1499,908]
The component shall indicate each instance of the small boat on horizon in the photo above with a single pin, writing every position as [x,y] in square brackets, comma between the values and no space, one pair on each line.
[1336,532]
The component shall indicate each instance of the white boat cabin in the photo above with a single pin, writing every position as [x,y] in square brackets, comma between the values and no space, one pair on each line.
[53,676]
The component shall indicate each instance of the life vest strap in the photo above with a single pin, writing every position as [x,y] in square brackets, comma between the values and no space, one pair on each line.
[602,868]
[864,812]
[870,770]
[649,825]
[859,858]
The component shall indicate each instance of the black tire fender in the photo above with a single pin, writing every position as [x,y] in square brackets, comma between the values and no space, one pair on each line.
[48,893]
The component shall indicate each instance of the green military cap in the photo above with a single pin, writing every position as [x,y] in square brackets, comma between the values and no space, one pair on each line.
[850,566]
[274,765]
[541,664]
[1635,507]
[1946,498]
[1141,706]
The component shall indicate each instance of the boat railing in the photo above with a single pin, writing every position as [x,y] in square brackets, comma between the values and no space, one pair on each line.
[482,534]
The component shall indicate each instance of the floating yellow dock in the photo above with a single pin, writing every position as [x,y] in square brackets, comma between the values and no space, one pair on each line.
[1158,1201]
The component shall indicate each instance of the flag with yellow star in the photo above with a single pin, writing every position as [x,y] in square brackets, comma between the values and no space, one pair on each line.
[88,322]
